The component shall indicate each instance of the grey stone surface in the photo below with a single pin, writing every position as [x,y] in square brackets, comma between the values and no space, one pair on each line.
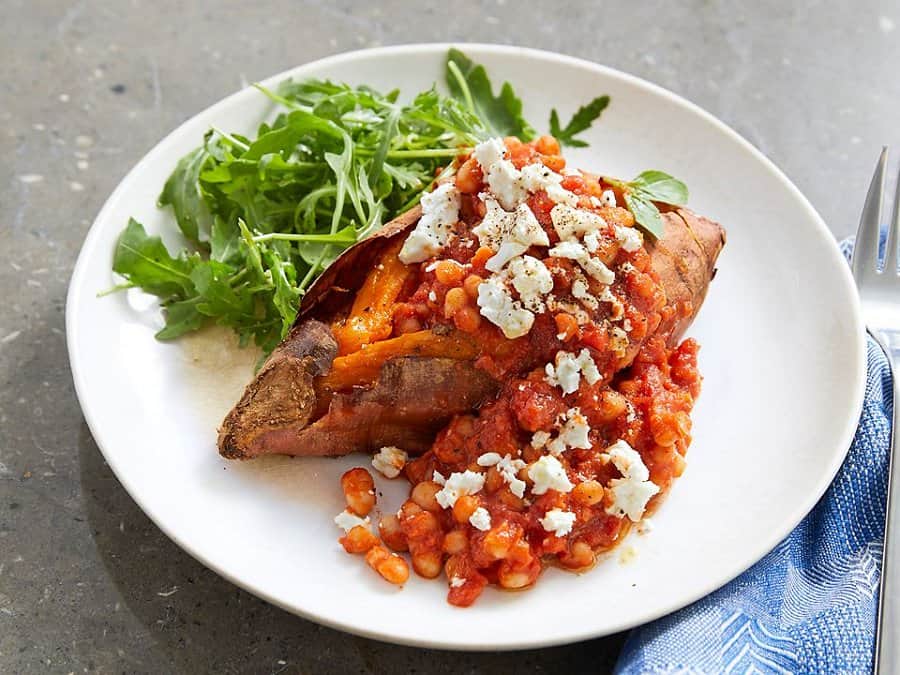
[87,583]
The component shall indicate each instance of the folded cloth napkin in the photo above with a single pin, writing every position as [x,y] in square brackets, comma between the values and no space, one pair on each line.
[810,605]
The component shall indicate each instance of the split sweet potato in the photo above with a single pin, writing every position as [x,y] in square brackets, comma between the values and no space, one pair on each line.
[332,389]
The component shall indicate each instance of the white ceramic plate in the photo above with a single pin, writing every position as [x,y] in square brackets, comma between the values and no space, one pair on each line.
[783,357]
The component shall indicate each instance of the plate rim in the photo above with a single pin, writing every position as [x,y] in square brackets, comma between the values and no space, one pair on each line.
[438,642]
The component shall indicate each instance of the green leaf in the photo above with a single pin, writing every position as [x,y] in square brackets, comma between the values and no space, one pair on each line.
[581,121]
[661,187]
[216,297]
[224,241]
[145,262]
[181,317]
[502,114]
[182,191]
[645,214]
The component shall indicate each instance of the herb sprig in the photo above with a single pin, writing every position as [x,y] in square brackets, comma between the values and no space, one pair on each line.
[646,188]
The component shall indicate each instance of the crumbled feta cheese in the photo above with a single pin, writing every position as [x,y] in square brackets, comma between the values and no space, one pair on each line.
[572,434]
[440,211]
[548,474]
[595,202]
[432,296]
[618,341]
[631,492]
[616,309]
[510,234]
[505,181]
[645,526]
[488,459]
[457,485]
[389,461]
[571,223]
[347,521]
[498,306]
[608,197]
[582,293]
[554,304]
[558,522]
[626,325]
[489,152]
[576,251]
[456,582]
[629,238]
[592,242]
[539,439]
[436,477]
[567,372]
[509,468]
[496,224]
[531,278]
[481,519]
[537,177]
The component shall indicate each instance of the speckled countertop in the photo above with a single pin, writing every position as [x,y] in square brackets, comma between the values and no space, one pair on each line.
[87,583]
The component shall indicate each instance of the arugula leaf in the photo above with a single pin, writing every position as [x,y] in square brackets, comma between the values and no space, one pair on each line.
[646,188]
[181,317]
[581,121]
[145,262]
[502,114]
[182,191]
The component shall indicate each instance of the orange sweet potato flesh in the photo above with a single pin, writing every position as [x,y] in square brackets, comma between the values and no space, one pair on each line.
[322,393]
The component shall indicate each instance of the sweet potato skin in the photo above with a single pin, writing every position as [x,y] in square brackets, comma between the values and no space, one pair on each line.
[413,396]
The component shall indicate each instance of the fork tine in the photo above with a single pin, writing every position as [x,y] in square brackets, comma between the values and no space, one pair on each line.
[865,251]
[893,240]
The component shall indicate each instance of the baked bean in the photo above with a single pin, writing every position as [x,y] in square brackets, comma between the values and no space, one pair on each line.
[449,272]
[566,326]
[358,540]
[427,564]
[408,324]
[423,495]
[389,565]
[454,301]
[554,162]
[456,541]
[589,493]
[515,576]
[610,406]
[579,556]
[392,534]
[467,319]
[547,145]
[482,255]
[471,284]
[359,490]
[464,508]
[469,177]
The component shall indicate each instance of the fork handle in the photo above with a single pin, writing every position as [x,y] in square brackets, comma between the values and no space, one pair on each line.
[887,640]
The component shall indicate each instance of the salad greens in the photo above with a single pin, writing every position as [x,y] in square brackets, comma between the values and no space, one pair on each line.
[649,187]
[263,216]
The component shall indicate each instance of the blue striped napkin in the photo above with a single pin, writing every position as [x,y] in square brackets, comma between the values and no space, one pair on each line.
[810,605]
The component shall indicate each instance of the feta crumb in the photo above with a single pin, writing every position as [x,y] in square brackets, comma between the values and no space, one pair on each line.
[495,225]
[568,369]
[456,582]
[531,278]
[438,478]
[505,181]
[498,306]
[629,238]
[432,296]
[535,177]
[626,325]
[510,234]
[645,526]
[440,211]
[608,197]
[595,201]
[592,242]
[509,468]
[489,459]
[548,474]
[489,152]
[389,461]
[481,519]
[457,485]
[631,492]
[571,223]
[572,434]
[347,521]
[539,439]
[576,251]
[558,522]
[582,293]
[616,309]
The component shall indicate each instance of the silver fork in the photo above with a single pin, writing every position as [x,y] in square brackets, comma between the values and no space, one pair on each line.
[879,294]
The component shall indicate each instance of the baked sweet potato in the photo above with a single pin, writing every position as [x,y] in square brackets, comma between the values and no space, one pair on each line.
[334,388]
